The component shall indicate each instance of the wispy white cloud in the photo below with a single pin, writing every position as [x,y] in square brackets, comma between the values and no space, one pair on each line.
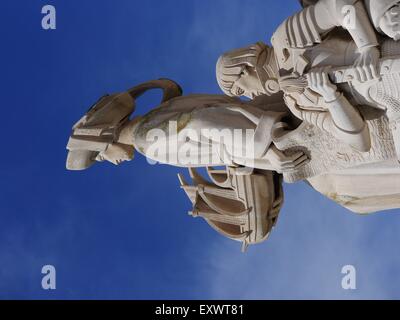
[304,256]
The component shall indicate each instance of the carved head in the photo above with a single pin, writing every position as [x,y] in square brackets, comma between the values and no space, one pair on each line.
[105,132]
[96,136]
[390,22]
[385,15]
[249,71]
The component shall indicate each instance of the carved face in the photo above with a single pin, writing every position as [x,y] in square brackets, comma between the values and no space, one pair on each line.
[248,84]
[390,22]
[116,153]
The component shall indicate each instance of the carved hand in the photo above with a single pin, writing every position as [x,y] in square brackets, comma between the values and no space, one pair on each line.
[366,65]
[281,163]
[318,81]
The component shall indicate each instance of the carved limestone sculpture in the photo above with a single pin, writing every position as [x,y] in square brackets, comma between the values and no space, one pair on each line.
[241,204]
[324,108]
[326,87]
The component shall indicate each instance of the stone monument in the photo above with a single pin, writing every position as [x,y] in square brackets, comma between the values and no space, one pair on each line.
[323,107]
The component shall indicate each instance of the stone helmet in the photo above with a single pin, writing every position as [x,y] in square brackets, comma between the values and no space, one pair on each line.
[259,56]
[101,124]
[97,128]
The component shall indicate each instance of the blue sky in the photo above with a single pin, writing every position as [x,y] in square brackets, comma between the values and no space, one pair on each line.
[123,233]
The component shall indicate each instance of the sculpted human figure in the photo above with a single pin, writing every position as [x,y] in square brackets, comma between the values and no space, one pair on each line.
[287,68]
[304,41]
[324,109]
[189,122]
[311,25]
[315,99]
[384,14]
[363,182]
[186,131]
[342,169]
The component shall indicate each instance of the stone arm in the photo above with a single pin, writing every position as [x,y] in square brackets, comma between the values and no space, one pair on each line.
[208,135]
[341,119]
[349,14]
[307,28]
[265,155]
